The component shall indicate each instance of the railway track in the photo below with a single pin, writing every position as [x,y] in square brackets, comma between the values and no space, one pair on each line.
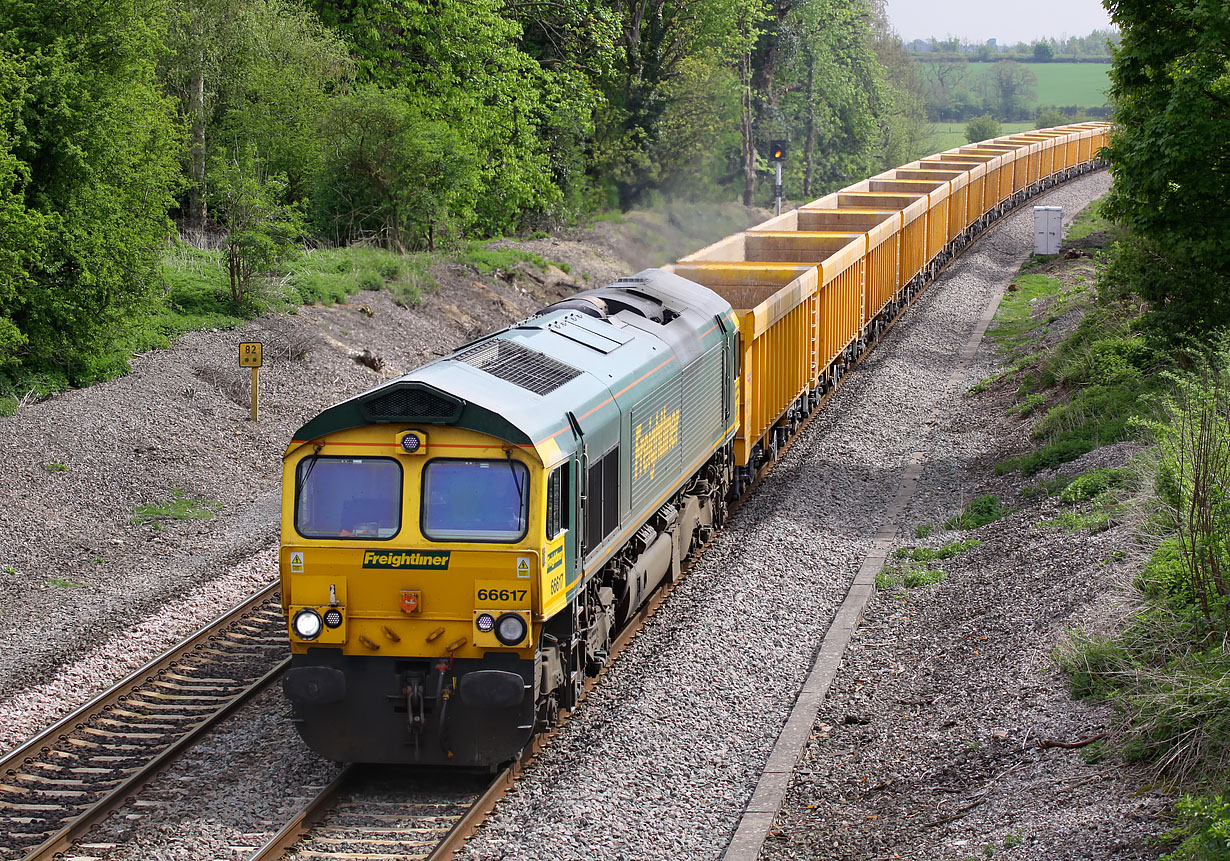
[60,783]
[386,814]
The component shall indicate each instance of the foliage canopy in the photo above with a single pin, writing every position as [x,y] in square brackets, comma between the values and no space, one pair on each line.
[259,126]
[1170,156]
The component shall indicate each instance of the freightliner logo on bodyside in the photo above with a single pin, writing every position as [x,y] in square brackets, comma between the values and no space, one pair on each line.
[418,559]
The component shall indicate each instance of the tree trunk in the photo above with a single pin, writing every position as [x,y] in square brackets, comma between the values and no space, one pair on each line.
[198,210]
[749,142]
[810,146]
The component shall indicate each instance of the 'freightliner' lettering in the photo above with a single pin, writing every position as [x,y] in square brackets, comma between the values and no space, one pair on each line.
[417,559]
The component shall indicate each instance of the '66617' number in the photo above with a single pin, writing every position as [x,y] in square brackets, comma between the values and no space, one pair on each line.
[501,594]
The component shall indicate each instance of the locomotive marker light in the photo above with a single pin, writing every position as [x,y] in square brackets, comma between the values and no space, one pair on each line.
[307,624]
[485,623]
[510,629]
[777,154]
[414,442]
[250,357]
[333,618]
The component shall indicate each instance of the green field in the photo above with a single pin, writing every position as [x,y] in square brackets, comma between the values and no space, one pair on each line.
[1080,84]
[949,135]
[1063,84]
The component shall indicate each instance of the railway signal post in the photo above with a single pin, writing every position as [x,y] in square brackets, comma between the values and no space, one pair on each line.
[777,154]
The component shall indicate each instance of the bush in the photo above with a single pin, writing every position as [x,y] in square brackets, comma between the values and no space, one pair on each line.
[89,163]
[979,512]
[1204,823]
[982,128]
[1093,483]
[393,175]
[1193,439]
[1166,577]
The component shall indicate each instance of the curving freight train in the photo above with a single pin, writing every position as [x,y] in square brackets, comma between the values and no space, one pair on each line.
[461,545]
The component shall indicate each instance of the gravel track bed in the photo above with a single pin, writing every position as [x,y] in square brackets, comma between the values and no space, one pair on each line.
[39,706]
[928,744]
[664,756]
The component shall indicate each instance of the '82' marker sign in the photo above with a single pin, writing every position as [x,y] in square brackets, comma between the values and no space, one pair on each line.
[250,354]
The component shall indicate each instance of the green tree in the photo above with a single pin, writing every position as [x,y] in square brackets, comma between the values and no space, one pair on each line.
[251,76]
[1043,52]
[1014,85]
[981,128]
[657,39]
[1170,155]
[1047,118]
[458,62]
[902,113]
[91,146]
[23,231]
[829,81]
[261,228]
[393,175]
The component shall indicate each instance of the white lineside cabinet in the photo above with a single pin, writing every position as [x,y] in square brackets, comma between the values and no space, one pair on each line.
[1048,229]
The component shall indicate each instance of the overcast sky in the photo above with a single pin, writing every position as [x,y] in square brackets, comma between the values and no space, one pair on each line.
[1011,22]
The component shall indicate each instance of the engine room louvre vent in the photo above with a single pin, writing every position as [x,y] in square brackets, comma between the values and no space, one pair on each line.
[412,403]
[519,365]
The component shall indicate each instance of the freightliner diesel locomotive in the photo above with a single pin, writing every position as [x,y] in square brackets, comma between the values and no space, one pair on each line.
[461,544]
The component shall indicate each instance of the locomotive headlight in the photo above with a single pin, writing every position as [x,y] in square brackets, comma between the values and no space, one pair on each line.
[485,622]
[510,629]
[333,618]
[307,624]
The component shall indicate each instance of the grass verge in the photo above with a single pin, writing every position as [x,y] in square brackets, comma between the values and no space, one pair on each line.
[179,507]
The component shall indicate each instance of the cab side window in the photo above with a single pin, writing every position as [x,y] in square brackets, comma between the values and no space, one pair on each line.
[557,501]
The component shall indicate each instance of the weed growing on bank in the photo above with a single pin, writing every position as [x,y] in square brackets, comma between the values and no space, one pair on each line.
[1167,671]
[978,512]
[1089,369]
[911,566]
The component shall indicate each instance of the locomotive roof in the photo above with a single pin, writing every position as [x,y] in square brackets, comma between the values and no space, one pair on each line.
[520,384]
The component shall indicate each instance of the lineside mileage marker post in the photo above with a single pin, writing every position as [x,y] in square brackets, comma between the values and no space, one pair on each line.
[250,357]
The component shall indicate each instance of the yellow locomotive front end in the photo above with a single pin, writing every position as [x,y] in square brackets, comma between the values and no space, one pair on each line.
[413,582]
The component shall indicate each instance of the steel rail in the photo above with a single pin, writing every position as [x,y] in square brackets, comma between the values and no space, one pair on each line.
[68,820]
[18,757]
[118,795]
[305,819]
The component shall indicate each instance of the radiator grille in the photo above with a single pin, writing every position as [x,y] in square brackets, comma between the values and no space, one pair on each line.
[411,403]
[519,365]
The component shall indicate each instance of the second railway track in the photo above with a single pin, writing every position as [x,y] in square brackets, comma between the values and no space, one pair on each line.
[60,783]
